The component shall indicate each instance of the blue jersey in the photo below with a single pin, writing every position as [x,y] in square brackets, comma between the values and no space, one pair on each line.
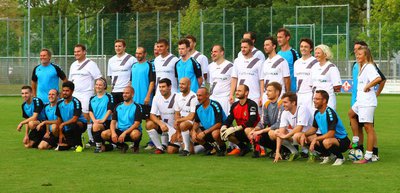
[142,75]
[100,106]
[291,56]
[36,106]
[50,113]
[127,115]
[209,116]
[46,78]
[67,111]
[189,69]
[329,120]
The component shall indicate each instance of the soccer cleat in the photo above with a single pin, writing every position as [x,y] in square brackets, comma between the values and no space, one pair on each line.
[149,147]
[374,158]
[209,152]
[97,150]
[363,161]
[235,151]
[135,149]
[311,158]
[262,152]
[354,146]
[244,151]
[124,148]
[159,151]
[90,144]
[256,154]
[185,153]
[79,149]
[293,156]
[325,160]
[338,162]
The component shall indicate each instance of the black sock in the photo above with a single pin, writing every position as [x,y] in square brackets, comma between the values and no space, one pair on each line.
[361,147]
[336,151]
[242,145]
[207,146]
[97,136]
[108,147]
[375,151]
[222,147]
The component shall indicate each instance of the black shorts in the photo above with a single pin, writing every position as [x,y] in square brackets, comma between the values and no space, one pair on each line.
[344,144]
[127,137]
[241,136]
[36,136]
[107,124]
[52,140]
[117,96]
[145,111]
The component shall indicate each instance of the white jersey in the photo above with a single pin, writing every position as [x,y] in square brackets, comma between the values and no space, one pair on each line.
[164,108]
[202,60]
[165,68]
[83,75]
[185,104]
[325,77]
[367,74]
[274,70]
[119,68]
[302,72]
[256,53]
[302,117]
[249,72]
[220,78]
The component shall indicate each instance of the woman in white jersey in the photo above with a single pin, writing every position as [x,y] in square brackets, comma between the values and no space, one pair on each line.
[325,75]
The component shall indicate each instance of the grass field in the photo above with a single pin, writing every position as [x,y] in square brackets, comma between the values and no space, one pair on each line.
[31,170]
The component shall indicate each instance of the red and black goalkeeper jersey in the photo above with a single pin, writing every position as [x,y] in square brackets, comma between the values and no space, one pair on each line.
[245,115]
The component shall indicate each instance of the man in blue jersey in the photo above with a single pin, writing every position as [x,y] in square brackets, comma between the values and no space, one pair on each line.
[45,76]
[287,52]
[32,114]
[70,120]
[142,80]
[187,66]
[333,136]
[125,124]
[100,108]
[208,120]
[50,137]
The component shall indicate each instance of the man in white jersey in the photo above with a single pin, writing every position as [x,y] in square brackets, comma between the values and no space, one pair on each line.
[248,71]
[220,77]
[256,52]
[162,117]
[275,67]
[164,65]
[82,73]
[185,108]
[302,73]
[119,69]
[199,57]
[295,120]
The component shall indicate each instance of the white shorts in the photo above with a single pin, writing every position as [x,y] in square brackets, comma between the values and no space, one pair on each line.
[365,114]
[84,98]
[224,102]
[305,100]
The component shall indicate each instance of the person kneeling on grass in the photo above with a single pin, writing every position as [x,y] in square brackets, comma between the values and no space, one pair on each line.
[125,124]
[333,138]
[49,139]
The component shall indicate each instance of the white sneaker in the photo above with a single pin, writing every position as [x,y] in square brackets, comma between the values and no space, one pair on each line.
[325,160]
[338,162]
[374,158]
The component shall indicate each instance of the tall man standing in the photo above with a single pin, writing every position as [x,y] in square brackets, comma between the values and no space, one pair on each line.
[288,53]
[256,52]
[199,57]
[164,65]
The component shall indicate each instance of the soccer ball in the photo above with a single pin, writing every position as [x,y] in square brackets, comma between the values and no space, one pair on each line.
[355,154]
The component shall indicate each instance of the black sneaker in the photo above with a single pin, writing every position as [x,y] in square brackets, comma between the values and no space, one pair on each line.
[208,152]
[185,153]
[97,150]
[304,155]
[124,148]
[256,154]
[244,151]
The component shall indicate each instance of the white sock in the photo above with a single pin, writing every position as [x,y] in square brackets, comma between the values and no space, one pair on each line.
[155,138]
[289,145]
[186,139]
[368,155]
[355,139]
[89,131]
[98,145]
[164,138]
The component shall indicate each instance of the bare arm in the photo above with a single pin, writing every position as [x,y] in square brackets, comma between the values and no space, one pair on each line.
[286,81]
[233,89]
[151,88]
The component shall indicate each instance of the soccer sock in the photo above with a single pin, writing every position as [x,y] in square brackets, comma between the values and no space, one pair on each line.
[368,155]
[109,147]
[241,145]
[336,151]
[207,146]
[97,136]
[289,145]
[222,147]
[355,139]
[164,139]
[361,147]
[89,131]
[375,151]
[155,137]
[186,139]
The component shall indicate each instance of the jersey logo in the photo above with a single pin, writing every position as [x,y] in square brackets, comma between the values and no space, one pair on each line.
[125,60]
[84,64]
[252,63]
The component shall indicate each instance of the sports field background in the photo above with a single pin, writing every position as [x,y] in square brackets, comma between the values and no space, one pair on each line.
[31,170]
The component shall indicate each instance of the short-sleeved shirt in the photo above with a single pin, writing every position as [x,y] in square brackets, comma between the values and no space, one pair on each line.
[302,72]
[185,104]
[142,75]
[164,108]
[190,69]
[165,68]
[36,106]
[302,117]
[271,114]
[245,115]
[291,56]
[367,74]
[220,78]
[50,112]
[210,115]
[329,120]
[275,69]
[119,68]
[66,111]
[127,115]
[100,105]
[83,75]
[47,79]
[249,72]
[325,77]
[256,53]
[202,60]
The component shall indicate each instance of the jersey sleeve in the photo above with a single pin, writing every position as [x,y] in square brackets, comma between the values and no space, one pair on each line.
[204,64]
[380,73]
[138,113]
[60,73]
[34,76]
[77,107]
[196,68]
[37,105]
[176,69]
[110,104]
[58,113]
[285,69]
[284,121]
[115,114]
[154,108]
[229,119]
[95,71]
[260,70]
[217,112]
[315,124]
[372,72]
[332,119]
[266,121]
[193,104]
[109,70]
[90,104]
[303,116]
[335,76]
[24,115]
[253,115]
[234,73]
[260,56]
[152,72]
[196,116]
[176,106]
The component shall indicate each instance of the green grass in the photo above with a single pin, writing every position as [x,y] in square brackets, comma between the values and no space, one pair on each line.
[31,170]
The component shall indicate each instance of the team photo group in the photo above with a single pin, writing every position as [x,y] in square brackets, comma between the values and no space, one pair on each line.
[280,103]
